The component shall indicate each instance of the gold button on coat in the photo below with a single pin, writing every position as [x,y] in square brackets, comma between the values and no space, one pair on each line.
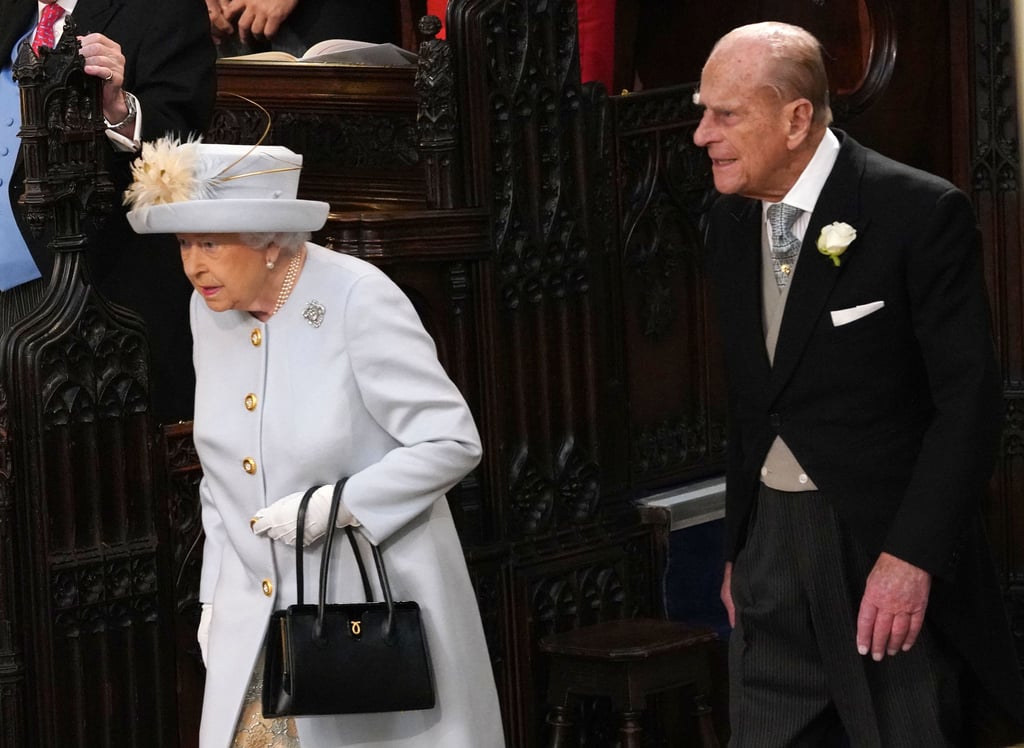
[268,587]
[256,336]
[249,465]
[250,401]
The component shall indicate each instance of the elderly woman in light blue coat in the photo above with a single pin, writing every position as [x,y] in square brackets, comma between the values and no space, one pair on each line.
[312,366]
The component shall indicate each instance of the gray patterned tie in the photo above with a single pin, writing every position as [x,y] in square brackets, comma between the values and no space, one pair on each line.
[785,247]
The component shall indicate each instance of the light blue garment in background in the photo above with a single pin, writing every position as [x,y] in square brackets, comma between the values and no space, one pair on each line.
[16,263]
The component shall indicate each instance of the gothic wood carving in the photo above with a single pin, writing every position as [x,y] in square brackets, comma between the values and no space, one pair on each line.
[993,184]
[85,645]
[533,143]
[677,417]
[437,119]
[358,135]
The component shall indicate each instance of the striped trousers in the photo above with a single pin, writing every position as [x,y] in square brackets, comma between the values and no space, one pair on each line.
[795,676]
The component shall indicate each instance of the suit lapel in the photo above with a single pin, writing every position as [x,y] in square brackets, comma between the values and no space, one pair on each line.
[816,275]
[16,16]
[93,16]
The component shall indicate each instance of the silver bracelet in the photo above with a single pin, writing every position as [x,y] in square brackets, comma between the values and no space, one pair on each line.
[129,101]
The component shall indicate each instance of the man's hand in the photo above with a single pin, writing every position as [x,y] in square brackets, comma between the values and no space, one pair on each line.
[220,26]
[892,609]
[103,59]
[726,594]
[257,19]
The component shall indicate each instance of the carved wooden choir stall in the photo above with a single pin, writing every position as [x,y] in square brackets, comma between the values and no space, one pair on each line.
[483,180]
[85,577]
[549,236]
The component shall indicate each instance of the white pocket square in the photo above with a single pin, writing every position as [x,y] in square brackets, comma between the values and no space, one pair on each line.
[846,316]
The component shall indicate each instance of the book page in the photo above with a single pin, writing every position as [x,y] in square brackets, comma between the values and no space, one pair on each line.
[273,55]
[340,52]
[330,46]
[376,55]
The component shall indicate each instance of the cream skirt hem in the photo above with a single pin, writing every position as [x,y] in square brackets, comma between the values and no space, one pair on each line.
[256,732]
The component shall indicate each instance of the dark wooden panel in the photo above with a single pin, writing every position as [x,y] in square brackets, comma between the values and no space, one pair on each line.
[85,637]
[675,384]
[354,125]
[888,63]
[987,141]
[180,489]
[535,152]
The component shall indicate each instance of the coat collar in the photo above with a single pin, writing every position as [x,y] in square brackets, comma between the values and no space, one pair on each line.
[813,282]
[816,275]
[93,16]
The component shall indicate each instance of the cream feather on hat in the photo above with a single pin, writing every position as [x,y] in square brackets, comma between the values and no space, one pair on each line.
[198,188]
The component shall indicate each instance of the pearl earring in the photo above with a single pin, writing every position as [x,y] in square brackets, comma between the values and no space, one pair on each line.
[270,264]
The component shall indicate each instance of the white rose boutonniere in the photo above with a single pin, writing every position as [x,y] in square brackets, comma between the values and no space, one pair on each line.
[834,240]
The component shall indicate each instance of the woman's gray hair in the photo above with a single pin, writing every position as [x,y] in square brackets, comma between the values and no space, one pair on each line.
[289,242]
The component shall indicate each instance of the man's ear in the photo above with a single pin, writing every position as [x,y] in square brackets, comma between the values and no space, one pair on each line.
[800,113]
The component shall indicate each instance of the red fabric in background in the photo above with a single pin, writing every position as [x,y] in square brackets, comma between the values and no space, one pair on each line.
[438,8]
[597,41]
[596,35]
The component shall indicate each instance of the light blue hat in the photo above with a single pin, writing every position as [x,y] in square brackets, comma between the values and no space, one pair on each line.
[200,188]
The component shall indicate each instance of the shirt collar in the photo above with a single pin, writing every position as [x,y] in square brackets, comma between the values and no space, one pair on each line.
[67,5]
[58,27]
[804,194]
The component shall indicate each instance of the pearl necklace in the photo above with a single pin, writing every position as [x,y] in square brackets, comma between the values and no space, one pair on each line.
[289,281]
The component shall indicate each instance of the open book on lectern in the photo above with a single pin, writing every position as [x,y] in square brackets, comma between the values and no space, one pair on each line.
[340,51]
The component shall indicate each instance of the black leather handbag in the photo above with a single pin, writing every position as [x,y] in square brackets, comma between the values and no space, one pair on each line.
[350,658]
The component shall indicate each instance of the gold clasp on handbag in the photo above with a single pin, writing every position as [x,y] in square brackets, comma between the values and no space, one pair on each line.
[356,627]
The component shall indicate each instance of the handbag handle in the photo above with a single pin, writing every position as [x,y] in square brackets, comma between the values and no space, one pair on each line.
[300,526]
[300,521]
[382,574]
[378,558]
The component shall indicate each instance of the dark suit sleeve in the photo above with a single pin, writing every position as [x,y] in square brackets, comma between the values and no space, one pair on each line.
[170,65]
[951,322]
[16,18]
[741,485]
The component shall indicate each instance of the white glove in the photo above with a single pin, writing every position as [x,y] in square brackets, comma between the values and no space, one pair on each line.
[278,521]
[203,634]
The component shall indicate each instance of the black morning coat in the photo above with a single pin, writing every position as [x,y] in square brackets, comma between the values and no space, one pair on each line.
[895,416]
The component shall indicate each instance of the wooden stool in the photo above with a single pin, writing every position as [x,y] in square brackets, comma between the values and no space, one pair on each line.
[627,661]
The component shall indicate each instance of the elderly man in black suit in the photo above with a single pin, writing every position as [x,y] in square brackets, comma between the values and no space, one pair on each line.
[865,412]
[156,60]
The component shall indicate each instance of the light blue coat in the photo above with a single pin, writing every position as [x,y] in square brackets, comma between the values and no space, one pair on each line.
[284,405]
